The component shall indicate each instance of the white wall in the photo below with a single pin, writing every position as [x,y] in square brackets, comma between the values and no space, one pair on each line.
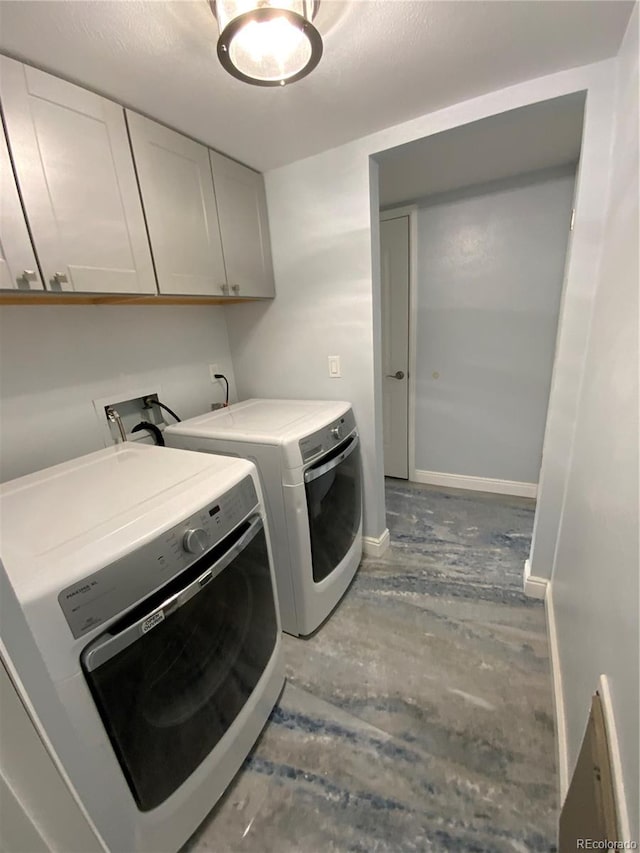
[595,576]
[581,276]
[490,271]
[55,817]
[324,239]
[321,241]
[37,810]
[54,360]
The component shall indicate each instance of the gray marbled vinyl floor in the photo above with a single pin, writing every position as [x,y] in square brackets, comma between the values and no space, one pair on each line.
[418,718]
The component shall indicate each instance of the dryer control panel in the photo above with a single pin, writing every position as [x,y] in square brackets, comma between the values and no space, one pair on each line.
[328,437]
[115,588]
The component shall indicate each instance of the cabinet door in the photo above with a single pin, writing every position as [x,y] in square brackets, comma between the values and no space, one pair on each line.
[18,266]
[180,206]
[77,180]
[244,225]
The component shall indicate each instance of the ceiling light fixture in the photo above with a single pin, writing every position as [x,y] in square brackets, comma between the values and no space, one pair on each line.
[268,42]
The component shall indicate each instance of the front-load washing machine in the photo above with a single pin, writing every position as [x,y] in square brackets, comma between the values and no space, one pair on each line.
[140,619]
[308,455]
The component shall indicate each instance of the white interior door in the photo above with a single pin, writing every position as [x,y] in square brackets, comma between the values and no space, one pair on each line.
[394,268]
[75,172]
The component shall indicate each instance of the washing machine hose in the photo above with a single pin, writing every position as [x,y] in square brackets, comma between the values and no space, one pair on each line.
[153,429]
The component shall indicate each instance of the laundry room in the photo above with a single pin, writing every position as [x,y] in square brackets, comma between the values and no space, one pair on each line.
[330,384]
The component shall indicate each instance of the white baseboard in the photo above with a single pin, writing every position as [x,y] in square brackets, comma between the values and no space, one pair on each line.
[376,546]
[534,587]
[558,698]
[476,484]
[614,755]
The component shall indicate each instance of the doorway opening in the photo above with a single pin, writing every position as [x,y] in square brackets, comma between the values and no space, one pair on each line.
[475,227]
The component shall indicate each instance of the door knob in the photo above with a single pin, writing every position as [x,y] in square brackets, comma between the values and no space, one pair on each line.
[399,374]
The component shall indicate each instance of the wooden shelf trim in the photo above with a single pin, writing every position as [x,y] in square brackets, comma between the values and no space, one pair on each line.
[22,298]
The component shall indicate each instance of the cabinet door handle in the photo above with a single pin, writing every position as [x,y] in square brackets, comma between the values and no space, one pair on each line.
[60,278]
[399,374]
[225,289]
[235,288]
[29,275]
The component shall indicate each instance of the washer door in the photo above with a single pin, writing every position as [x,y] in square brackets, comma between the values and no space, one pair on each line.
[334,505]
[170,678]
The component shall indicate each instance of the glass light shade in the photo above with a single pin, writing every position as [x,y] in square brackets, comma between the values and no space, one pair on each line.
[267,42]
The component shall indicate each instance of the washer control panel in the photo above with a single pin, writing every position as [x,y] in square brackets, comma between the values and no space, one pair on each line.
[116,587]
[326,438]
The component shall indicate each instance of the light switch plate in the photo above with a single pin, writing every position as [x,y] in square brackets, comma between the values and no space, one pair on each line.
[334,367]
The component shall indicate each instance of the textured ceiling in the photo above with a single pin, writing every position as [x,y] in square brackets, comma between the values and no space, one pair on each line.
[384,62]
[540,136]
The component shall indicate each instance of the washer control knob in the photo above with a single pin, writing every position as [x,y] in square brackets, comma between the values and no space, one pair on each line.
[195,541]
[336,432]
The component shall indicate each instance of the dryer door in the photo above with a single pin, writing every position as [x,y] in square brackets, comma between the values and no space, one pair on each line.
[334,505]
[170,678]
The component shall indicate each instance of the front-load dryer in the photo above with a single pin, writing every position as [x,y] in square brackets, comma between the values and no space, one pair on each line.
[308,455]
[150,646]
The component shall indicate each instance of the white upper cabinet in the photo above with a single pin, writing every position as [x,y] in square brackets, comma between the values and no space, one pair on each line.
[18,266]
[76,176]
[244,226]
[180,206]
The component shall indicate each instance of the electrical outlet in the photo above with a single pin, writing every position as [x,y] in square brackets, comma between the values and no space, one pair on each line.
[213,369]
[334,367]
